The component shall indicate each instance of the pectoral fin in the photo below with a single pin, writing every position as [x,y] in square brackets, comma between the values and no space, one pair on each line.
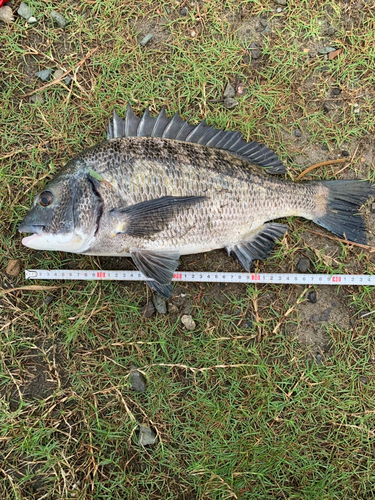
[159,266]
[151,216]
[259,246]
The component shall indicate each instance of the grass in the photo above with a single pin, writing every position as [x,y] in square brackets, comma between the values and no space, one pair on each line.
[244,406]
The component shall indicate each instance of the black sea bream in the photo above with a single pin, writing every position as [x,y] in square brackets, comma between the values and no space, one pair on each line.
[158,188]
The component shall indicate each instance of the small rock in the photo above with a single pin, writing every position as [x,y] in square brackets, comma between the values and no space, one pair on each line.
[184,11]
[255,51]
[336,91]
[230,103]
[49,299]
[192,33]
[326,50]
[297,132]
[68,80]
[280,2]
[229,91]
[146,39]
[44,74]
[345,153]
[188,322]
[58,73]
[24,11]
[324,147]
[279,10]
[147,436]
[303,265]
[311,297]
[319,359]
[148,310]
[59,19]
[263,23]
[363,380]
[266,30]
[13,267]
[325,108]
[160,304]
[6,14]
[373,208]
[172,308]
[37,99]
[137,379]
[32,20]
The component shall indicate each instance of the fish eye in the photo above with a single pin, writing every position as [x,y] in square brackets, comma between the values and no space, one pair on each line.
[45,198]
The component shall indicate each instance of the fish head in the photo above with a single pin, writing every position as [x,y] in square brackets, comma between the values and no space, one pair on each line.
[65,215]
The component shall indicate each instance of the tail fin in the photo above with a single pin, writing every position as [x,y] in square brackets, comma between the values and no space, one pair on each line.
[341,216]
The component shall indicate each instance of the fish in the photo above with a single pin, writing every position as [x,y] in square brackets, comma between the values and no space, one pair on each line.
[158,188]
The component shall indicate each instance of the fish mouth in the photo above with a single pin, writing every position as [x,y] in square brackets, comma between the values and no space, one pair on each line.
[30,228]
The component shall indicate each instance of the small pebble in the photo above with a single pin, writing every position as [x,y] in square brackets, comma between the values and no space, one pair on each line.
[319,359]
[147,436]
[229,91]
[280,2]
[373,208]
[6,14]
[37,99]
[303,265]
[160,304]
[32,20]
[44,74]
[311,297]
[324,147]
[13,267]
[279,9]
[49,299]
[58,73]
[137,379]
[326,50]
[192,33]
[184,11]
[24,11]
[188,322]
[297,132]
[146,39]
[325,108]
[59,19]
[336,91]
[345,153]
[255,50]
[364,380]
[230,103]
[266,30]
[148,310]
[172,308]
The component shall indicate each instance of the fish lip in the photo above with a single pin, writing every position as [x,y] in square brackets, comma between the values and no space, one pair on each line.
[30,228]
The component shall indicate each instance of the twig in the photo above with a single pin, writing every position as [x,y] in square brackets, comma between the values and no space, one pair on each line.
[36,288]
[317,165]
[336,238]
[57,80]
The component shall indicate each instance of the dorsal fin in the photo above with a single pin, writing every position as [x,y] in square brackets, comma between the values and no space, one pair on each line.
[177,129]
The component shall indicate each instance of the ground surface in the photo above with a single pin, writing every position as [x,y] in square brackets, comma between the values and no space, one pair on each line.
[271,396]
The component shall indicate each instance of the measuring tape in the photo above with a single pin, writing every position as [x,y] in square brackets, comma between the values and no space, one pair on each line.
[207,277]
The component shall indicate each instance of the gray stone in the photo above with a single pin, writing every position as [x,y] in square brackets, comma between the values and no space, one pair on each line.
[146,39]
[148,310]
[59,19]
[160,304]
[311,297]
[37,99]
[6,14]
[68,80]
[184,11]
[147,436]
[32,20]
[44,74]
[297,132]
[58,73]
[24,11]
[255,51]
[188,322]
[137,380]
[230,103]
[326,50]
[279,10]
[280,2]
[229,91]
[303,265]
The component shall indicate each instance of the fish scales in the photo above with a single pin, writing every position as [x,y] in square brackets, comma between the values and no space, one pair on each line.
[159,188]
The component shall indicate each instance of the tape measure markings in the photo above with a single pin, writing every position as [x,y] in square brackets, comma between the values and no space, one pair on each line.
[207,277]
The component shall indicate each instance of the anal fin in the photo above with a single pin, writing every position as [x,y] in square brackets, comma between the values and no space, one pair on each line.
[259,245]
